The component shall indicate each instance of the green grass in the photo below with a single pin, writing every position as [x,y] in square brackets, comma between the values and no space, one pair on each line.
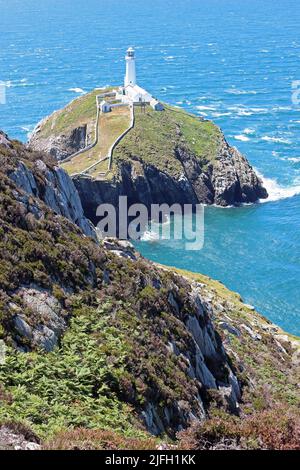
[156,136]
[79,112]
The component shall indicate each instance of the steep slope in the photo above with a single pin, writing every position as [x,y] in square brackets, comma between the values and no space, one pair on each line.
[168,156]
[38,175]
[63,294]
[99,338]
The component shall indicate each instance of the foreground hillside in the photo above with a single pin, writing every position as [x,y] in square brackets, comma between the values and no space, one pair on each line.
[168,156]
[107,350]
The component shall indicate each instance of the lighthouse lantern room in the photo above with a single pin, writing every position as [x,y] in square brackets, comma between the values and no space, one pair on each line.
[130,77]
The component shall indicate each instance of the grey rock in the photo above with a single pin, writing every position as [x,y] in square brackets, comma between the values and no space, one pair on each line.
[13,440]
[47,319]
[231,329]
[22,327]
[45,338]
[58,192]
[62,146]
[251,333]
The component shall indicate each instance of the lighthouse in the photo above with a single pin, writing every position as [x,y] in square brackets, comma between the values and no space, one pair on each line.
[130,77]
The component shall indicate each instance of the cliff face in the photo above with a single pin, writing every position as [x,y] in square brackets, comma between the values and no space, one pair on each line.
[45,180]
[229,181]
[61,146]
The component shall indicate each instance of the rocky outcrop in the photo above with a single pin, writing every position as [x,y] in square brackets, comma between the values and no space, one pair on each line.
[162,165]
[61,146]
[45,323]
[56,189]
[17,439]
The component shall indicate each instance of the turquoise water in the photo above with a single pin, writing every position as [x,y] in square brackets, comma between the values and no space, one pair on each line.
[229,60]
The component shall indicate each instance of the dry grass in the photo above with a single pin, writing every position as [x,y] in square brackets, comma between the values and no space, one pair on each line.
[111,125]
[88,439]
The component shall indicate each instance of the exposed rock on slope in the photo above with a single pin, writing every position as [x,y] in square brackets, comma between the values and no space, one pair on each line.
[62,146]
[171,157]
[45,180]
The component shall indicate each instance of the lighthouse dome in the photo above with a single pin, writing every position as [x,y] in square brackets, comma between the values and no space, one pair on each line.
[130,52]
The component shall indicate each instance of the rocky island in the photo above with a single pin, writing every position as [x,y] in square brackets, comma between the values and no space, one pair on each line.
[171,157]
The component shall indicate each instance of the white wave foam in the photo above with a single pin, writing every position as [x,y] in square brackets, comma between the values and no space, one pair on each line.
[242,137]
[243,111]
[276,191]
[28,129]
[294,159]
[77,90]
[235,91]
[206,108]
[249,131]
[150,236]
[278,140]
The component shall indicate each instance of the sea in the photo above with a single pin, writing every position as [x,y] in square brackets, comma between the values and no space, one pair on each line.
[236,62]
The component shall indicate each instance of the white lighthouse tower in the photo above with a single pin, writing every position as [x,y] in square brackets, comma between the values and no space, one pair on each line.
[130,77]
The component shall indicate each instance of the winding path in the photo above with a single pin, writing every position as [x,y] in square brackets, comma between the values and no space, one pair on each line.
[109,155]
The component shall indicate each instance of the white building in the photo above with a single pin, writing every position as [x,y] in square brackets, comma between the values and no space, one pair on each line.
[105,107]
[130,77]
[156,105]
[137,94]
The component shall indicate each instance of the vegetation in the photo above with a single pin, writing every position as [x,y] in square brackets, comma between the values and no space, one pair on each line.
[111,126]
[157,135]
[276,429]
[274,373]
[114,358]
[79,112]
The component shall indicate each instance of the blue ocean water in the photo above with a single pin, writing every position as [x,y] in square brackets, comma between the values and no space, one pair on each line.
[232,61]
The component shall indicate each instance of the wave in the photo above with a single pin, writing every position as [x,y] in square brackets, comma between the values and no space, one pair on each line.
[278,140]
[243,111]
[241,137]
[249,131]
[77,90]
[276,191]
[17,83]
[204,108]
[235,91]
[149,236]
[28,129]
[294,159]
